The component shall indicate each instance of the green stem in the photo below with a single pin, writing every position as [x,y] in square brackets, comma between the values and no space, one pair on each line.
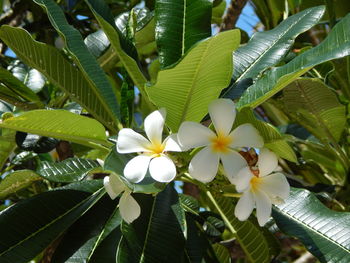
[227,222]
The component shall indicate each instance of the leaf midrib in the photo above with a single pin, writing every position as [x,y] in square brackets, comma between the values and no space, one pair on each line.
[267,50]
[312,229]
[56,219]
[193,87]
[43,70]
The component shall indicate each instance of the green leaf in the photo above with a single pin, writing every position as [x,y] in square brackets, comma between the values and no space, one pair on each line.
[179,25]
[325,233]
[222,253]
[16,86]
[186,89]
[89,186]
[30,77]
[158,234]
[7,144]
[336,45]
[266,49]
[273,139]
[69,170]
[82,57]
[316,108]
[82,238]
[58,70]
[251,237]
[16,181]
[59,124]
[120,44]
[30,225]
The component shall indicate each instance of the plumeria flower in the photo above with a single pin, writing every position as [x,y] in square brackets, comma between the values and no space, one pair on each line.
[220,145]
[261,187]
[153,150]
[128,207]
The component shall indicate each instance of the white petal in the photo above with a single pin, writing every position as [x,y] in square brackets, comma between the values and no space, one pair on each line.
[192,135]
[136,169]
[263,207]
[246,135]
[275,185]
[113,185]
[242,180]
[154,124]
[244,206]
[172,144]
[222,113]
[162,169]
[129,208]
[233,162]
[204,165]
[267,162]
[131,142]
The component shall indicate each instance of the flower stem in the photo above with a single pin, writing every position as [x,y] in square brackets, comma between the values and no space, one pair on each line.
[227,222]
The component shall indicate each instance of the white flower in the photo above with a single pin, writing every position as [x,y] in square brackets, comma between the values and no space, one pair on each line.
[128,207]
[153,150]
[261,188]
[220,145]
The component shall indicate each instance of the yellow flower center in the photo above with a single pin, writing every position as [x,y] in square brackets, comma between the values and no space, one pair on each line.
[156,149]
[220,143]
[255,182]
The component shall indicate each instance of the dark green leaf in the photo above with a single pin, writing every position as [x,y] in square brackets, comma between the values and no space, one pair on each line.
[122,46]
[35,143]
[179,25]
[82,57]
[81,239]
[325,233]
[30,77]
[266,49]
[158,234]
[29,226]
[69,170]
[336,45]
[59,71]
[18,87]
[316,107]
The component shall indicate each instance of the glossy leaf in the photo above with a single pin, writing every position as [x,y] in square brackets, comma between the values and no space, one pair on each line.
[16,181]
[35,143]
[316,107]
[186,89]
[125,50]
[250,236]
[83,238]
[82,57]
[31,225]
[58,70]
[59,124]
[179,25]
[7,144]
[30,77]
[18,87]
[266,49]
[222,253]
[325,233]
[69,170]
[158,234]
[336,45]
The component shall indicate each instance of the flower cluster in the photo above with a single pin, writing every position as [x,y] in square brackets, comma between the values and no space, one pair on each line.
[261,186]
